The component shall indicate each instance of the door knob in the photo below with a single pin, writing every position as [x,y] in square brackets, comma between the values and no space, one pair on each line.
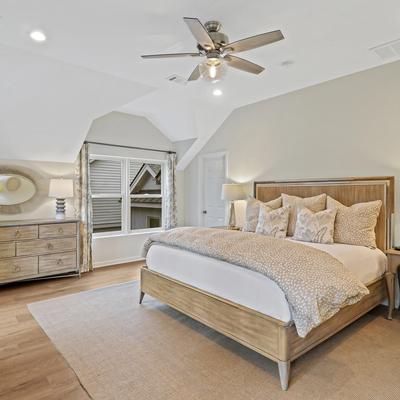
[204,211]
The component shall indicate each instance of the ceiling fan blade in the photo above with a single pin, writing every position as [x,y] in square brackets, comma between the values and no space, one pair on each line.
[195,74]
[254,42]
[244,65]
[200,33]
[172,55]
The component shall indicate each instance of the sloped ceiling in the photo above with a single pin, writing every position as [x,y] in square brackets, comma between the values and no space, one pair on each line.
[91,63]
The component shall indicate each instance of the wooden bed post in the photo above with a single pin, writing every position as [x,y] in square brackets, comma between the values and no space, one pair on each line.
[284,373]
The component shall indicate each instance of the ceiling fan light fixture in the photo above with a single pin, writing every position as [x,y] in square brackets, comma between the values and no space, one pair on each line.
[213,69]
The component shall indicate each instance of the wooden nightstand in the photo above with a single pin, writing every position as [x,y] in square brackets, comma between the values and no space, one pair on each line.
[393,268]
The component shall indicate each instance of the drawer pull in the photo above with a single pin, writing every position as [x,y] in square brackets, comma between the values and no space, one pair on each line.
[60,262]
[50,246]
[17,233]
[17,268]
[60,230]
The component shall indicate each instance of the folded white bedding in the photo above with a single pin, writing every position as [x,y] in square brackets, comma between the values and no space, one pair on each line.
[249,288]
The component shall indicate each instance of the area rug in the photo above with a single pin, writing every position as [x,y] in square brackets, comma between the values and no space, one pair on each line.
[122,350]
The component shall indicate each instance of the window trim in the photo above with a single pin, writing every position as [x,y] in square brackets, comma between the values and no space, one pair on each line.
[126,196]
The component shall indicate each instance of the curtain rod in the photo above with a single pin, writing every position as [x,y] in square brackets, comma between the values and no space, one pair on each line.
[130,147]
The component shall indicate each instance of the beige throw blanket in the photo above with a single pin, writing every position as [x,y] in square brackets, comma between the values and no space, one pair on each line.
[316,284]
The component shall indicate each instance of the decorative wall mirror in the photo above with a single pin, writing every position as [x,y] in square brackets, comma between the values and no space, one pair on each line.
[15,189]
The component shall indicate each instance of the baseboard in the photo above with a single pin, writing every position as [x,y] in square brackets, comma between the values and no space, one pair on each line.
[116,261]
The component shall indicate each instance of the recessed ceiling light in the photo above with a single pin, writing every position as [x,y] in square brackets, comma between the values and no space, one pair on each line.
[37,36]
[217,92]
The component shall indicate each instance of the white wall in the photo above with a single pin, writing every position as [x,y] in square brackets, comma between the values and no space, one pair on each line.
[125,129]
[346,127]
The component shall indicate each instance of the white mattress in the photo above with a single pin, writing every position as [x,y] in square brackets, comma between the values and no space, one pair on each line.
[249,288]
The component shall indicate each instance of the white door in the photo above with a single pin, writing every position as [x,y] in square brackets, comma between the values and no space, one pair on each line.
[213,177]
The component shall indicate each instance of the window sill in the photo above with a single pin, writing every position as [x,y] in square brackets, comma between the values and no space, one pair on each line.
[132,233]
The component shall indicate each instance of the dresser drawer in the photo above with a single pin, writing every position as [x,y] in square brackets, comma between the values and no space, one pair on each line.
[7,250]
[54,230]
[57,263]
[18,268]
[43,246]
[18,233]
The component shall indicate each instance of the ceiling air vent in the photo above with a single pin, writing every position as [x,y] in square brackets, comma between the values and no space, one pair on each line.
[177,79]
[388,51]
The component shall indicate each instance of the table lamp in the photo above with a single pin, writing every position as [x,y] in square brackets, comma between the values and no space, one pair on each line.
[61,189]
[232,192]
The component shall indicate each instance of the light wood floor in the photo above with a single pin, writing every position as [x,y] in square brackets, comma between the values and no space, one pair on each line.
[30,366]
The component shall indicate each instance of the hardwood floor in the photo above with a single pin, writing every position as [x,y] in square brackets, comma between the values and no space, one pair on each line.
[30,366]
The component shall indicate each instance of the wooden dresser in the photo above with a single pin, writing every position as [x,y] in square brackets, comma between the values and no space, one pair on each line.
[38,248]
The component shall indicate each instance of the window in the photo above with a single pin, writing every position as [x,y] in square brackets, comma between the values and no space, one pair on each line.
[145,195]
[126,194]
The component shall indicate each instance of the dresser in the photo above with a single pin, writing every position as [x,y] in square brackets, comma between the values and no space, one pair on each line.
[32,249]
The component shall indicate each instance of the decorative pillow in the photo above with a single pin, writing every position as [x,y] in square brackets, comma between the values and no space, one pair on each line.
[355,224]
[253,210]
[273,222]
[315,204]
[315,227]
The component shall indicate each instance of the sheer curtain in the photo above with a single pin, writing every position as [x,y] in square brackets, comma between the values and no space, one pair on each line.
[84,209]
[170,192]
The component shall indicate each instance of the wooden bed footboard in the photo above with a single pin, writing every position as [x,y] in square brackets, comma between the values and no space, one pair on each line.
[268,336]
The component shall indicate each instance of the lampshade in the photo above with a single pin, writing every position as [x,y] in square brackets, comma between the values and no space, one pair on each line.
[61,188]
[232,192]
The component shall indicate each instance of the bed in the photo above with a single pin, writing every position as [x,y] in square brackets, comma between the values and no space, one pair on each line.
[232,300]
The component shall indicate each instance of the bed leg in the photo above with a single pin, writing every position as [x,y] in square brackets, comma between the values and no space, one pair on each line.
[390,283]
[141,297]
[284,373]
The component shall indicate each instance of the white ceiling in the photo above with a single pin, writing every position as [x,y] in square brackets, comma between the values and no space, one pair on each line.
[91,62]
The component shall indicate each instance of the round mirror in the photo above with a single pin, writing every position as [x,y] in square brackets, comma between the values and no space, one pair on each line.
[15,189]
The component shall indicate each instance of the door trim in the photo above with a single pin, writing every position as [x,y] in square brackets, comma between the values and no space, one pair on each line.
[202,157]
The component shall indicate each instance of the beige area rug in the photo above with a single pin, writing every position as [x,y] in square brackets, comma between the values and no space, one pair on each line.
[120,350]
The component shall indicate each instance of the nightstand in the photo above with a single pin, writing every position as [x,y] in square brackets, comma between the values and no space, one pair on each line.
[393,268]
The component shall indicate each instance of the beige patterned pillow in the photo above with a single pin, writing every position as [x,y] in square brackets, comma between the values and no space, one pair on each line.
[253,210]
[315,204]
[315,227]
[273,222]
[355,224]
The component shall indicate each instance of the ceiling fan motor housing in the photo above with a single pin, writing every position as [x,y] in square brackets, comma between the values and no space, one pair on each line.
[219,38]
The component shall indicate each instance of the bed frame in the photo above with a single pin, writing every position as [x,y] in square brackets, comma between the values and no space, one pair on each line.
[268,336]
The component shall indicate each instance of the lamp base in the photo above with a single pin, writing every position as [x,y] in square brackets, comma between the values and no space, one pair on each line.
[232,217]
[60,208]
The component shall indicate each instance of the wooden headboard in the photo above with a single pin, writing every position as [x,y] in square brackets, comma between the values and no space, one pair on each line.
[346,190]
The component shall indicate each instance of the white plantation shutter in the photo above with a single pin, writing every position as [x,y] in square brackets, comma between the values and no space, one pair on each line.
[105,179]
[105,176]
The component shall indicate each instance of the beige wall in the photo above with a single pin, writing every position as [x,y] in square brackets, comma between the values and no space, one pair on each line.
[130,130]
[346,127]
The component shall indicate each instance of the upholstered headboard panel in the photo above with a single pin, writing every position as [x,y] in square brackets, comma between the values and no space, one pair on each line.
[346,190]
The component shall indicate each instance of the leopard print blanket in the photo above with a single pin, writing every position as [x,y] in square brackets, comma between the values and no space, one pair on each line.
[316,284]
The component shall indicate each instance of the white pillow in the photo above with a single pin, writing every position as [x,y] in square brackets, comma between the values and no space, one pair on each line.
[315,204]
[253,210]
[273,222]
[315,227]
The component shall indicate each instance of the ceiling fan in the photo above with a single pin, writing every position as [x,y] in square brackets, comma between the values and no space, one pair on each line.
[215,46]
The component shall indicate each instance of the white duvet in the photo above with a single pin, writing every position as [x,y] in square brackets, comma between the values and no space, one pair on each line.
[249,288]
